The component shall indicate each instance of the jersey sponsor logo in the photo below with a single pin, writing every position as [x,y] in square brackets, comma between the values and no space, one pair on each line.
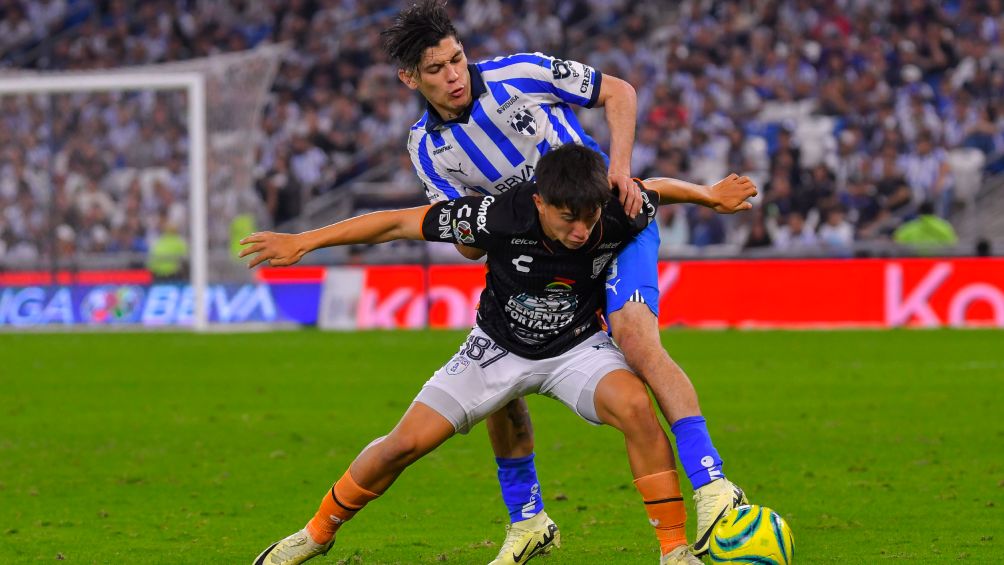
[561,70]
[612,245]
[457,365]
[537,317]
[559,284]
[518,241]
[648,206]
[523,123]
[462,232]
[523,176]
[507,104]
[459,169]
[586,80]
[518,262]
[442,149]
[482,220]
[444,221]
[600,263]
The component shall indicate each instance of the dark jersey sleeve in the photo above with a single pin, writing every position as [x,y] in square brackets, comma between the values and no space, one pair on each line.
[476,221]
[649,206]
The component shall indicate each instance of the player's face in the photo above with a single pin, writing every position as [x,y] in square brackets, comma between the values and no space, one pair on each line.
[564,227]
[442,78]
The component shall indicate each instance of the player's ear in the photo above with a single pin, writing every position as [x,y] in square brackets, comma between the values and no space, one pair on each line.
[408,77]
[539,202]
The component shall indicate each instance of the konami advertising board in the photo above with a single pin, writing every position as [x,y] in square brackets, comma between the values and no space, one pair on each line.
[745,294]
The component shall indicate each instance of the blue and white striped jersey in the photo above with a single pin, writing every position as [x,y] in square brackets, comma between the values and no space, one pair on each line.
[520,110]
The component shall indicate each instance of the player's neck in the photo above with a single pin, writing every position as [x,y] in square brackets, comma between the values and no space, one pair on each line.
[448,114]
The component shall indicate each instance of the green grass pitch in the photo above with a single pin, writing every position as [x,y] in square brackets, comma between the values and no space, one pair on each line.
[177,448]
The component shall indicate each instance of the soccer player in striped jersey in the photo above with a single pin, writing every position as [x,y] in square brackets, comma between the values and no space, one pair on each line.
[485,127]
[548,244]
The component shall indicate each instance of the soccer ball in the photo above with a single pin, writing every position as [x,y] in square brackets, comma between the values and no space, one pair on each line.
[752,534]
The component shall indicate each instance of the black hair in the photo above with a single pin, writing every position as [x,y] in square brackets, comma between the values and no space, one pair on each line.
[574,177]
[415,29]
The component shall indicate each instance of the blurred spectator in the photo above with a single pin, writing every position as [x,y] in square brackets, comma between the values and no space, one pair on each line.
[873,91]
[794,235]
[168,255]
[836,232]
[706,227]
[674,232]
[758,235]
[928,174]
[926,232]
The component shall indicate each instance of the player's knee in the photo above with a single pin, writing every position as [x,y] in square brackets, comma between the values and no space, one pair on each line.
[633,410]
[638,408]
[399,450]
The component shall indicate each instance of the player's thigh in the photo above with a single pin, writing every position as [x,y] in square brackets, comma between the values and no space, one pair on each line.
[512,419]
[479,380]
[633,276]
[579,371]
[622,401]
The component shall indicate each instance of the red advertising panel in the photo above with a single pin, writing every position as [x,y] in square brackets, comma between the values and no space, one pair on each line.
[834,293]
[764,293]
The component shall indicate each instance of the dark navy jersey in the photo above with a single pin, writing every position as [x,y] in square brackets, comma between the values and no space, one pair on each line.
[540,298]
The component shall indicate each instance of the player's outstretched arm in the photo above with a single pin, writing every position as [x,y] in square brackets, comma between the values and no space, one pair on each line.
[282,249]
[726,196]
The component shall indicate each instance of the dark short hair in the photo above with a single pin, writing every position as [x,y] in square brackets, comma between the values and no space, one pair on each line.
[424,24]
[573,177]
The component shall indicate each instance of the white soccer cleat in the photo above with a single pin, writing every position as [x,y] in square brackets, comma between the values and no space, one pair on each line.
[713,501]
[680,556]
[293,550]
[527,539]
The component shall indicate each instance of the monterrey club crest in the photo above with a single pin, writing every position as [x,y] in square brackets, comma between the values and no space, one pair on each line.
[523,122]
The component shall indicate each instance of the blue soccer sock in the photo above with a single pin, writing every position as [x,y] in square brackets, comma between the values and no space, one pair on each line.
[700,459]
[520,489]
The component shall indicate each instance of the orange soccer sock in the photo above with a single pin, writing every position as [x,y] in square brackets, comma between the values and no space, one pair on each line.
[338,506]
[664,504]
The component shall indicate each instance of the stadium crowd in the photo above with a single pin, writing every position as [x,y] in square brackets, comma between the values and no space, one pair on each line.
[849,114]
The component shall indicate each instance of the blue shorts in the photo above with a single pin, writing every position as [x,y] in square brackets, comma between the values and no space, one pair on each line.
[633,275]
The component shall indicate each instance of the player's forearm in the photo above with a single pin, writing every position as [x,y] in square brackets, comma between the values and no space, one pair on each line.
[377,227]
[676,191]
[621,104]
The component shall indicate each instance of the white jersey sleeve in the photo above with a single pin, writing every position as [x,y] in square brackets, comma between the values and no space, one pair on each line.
[559,80]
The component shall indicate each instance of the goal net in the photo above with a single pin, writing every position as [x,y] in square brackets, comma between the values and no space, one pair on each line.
[122,191]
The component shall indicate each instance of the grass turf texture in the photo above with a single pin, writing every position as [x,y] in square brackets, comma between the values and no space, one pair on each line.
[177,448]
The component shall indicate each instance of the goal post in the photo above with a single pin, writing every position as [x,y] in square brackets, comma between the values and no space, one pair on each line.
[122,191]
[194,85]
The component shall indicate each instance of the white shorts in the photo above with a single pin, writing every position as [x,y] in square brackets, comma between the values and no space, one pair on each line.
[483,377]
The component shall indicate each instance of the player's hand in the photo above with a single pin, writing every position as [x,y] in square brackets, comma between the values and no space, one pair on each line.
[729,195]
[628,191]
[278,249]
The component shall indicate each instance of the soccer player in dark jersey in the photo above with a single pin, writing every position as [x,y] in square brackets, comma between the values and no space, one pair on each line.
[486,124]
[538,331]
